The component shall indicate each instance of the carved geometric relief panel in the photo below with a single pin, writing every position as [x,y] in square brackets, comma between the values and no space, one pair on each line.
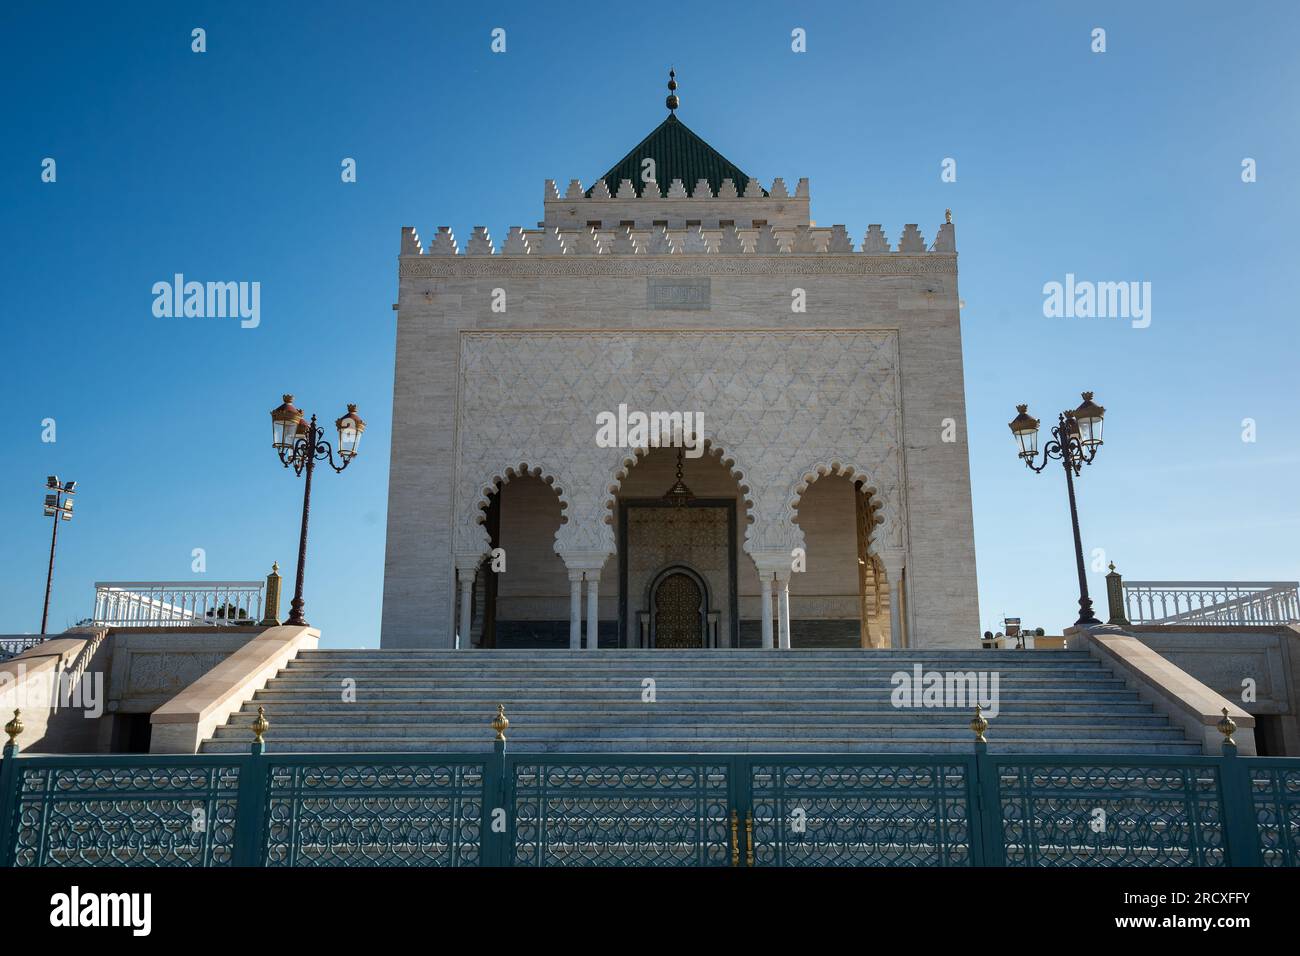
[776,406]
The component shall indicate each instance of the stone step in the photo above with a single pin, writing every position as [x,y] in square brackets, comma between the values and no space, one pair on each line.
[735,658]
[552,672]
[795,656]
[628,711]
[774,678]
[583,685]
[333,706]
[579,677]
[648,731]
[776,745]
[747,700]
[792,653]
[491,695]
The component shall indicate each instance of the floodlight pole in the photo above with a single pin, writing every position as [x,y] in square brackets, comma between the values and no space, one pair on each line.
[49,576]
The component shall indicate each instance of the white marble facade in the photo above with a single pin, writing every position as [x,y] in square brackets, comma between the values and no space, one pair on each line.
[677,302]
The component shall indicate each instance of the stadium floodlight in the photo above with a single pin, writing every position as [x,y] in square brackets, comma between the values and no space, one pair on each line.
[59,507]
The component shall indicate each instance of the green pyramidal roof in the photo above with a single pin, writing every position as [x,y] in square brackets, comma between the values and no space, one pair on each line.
[678,153]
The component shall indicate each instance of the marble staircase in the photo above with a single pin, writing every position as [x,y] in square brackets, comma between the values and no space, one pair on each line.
[830,701]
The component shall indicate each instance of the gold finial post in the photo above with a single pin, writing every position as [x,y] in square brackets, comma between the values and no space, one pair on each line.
[260,726]
[673,100]
[979,723]
[947,216]
[500,723]
[1227,726]
[14,728]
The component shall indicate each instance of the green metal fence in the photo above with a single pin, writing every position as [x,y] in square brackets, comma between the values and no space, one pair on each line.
[504,809]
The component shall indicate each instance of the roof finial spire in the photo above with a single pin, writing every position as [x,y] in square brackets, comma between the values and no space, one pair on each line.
[673,101]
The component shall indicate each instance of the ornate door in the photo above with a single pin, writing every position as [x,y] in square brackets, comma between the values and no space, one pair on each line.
[678,617]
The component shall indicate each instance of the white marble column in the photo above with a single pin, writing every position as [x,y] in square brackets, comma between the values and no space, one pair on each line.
[466,599]
[894,562]
[897,614]
[783,607]
[575,610]
[593,612]
[462,612]
[765,581]
[895,621]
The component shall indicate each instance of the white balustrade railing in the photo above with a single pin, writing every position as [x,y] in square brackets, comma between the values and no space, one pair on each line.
[177,603]
[13,645]
[1211,603]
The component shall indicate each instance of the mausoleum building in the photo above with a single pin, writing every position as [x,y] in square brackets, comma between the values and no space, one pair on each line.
[822,498]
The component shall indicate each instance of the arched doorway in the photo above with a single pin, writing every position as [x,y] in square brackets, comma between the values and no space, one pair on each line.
[528,606]
[679,610]
[703,535]
[842,598]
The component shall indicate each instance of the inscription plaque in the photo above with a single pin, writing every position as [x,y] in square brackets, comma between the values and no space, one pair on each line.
[663,292]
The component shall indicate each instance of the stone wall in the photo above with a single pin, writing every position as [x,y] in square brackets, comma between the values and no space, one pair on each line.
[1225,659]
[109,676]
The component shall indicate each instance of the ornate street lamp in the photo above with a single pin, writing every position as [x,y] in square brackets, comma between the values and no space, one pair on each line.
[58,505]
[1076,439]
[300,444]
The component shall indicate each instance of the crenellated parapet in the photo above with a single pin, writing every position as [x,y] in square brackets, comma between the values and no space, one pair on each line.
[675,205]
[411,242]
[694,240]
[752,221]
[444,243]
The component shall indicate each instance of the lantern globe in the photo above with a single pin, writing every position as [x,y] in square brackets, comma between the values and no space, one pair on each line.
[1024,427]
[350,427]
[285,422]
[1089,416]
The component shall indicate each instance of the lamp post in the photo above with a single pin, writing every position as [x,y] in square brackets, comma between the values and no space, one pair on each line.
[300,444]
[58,505]
[1076,437]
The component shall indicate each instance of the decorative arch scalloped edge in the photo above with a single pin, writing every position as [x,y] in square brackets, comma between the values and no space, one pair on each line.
[502,476]
[882,506]
[633,457]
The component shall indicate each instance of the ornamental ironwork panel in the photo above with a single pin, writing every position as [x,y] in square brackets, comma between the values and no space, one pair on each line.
[1147,813]
[1275,800]
[876,812]
[134,815]
[373,813]
[664,811]
[649,809]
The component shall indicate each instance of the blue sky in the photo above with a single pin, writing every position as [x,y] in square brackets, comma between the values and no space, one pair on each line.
[1118,166]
